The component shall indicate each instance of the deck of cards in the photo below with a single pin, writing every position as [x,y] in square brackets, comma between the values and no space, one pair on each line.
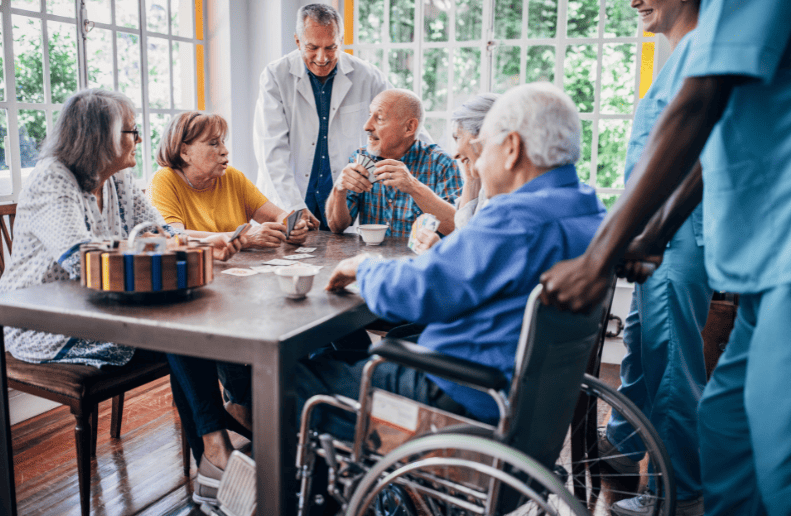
[369,165]
[291,220]
[426,220]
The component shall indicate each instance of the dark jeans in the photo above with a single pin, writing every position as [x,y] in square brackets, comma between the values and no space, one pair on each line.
[198,400]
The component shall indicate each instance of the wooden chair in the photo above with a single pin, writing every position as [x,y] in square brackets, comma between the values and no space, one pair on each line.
[81,388]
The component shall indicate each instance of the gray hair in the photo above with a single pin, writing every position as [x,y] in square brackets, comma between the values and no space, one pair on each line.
[546,120]
[87,136]
[469,116]
[321,14]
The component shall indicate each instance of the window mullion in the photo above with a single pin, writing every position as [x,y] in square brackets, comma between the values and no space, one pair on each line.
[597,97]
[12,147]
[417,45]
[488,45]
[386,40]
[144,90]
[82,44]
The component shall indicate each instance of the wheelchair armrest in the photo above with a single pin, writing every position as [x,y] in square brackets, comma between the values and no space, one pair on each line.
[452,368]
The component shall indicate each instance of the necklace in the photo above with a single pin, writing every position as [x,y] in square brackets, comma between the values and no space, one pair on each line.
[190,182]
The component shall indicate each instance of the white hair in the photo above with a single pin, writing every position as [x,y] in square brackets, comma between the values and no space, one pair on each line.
[546,120]
[470,115]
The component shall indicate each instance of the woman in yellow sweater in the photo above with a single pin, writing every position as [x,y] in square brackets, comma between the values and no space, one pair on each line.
[197,191]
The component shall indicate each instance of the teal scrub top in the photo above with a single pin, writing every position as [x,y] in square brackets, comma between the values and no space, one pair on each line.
[747,159]
[666,85]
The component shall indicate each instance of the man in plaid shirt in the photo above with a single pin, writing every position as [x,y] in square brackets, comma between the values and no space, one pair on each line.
[413,177]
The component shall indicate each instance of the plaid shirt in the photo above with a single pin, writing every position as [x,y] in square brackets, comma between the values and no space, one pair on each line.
[430,165]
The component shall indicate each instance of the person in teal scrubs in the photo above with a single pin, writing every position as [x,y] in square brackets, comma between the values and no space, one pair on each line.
[664,371]
[735,101]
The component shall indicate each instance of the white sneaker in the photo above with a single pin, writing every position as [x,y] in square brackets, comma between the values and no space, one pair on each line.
[646,504]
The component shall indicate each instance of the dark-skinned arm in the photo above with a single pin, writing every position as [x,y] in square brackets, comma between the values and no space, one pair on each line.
[644,254]
[672,149]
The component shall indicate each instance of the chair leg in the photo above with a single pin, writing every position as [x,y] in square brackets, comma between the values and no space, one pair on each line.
[94,428]
[117,416]
[185,452]
[82,435]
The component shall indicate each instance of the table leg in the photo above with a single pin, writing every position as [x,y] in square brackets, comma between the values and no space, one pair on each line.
[274,432]
[7,489]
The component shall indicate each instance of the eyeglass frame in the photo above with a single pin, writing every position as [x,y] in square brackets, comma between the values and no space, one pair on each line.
[135,131]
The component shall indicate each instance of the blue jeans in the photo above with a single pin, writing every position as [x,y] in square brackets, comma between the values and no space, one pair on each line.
[745,413]
[196,394]
[664,371]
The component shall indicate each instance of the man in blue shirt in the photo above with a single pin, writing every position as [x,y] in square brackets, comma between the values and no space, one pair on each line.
[472,287]
[414,177]
[736,100]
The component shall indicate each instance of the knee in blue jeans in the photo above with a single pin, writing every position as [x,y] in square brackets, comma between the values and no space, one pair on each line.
[236,382]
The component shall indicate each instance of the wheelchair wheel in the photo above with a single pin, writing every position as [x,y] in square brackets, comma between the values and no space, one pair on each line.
[637,465]
[456,474]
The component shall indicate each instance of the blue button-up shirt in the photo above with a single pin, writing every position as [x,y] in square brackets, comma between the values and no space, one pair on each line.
[320,184]
[471,288]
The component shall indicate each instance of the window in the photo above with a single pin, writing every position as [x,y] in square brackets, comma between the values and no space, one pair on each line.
[450,50]
[150,50]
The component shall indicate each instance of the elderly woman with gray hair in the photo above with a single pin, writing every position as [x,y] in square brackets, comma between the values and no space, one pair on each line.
[467,121]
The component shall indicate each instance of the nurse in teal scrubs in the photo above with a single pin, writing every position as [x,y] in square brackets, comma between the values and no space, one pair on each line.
[664,371]
[736,100]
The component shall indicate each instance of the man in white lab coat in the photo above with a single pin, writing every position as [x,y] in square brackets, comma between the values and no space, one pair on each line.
[309,118]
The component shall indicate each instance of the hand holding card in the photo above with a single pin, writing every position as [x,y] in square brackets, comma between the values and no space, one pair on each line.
[241,230]
[291,220]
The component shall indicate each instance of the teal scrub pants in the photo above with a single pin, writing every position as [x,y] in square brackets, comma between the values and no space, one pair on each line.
[664,371]
[745,413]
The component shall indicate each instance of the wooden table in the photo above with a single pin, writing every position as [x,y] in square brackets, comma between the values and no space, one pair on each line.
[236,319]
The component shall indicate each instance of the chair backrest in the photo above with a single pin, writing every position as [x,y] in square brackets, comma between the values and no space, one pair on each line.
[554,348]
[7,215]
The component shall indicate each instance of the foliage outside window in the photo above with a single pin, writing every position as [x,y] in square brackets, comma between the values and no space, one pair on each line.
[157,63]
[440,49]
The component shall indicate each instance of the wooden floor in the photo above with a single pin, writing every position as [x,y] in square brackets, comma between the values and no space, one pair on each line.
[138,474]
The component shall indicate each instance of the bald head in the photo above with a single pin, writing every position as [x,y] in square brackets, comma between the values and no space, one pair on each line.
[403,105]
[396,117]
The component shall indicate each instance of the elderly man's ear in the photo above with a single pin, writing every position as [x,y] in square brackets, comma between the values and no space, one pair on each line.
[513,149]
[412,126]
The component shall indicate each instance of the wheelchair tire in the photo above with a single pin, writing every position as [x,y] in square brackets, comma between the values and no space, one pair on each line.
[592,479]
[530,488]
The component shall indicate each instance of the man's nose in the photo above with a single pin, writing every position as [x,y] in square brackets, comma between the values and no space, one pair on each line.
[321,56]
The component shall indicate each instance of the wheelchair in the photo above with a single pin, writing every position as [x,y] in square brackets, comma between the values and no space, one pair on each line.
[542,457]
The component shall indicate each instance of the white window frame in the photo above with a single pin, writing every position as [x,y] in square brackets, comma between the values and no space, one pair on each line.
[488,44]
[81,23]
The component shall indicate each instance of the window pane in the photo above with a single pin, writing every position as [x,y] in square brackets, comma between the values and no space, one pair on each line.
[61,7]
[5,173]
[621,19]
[184,75]
[137,170]
[580,75]
[608,199]
[158,73]
[32,131]
[157,123]
[2,61]
[435,79]
[402,21]
[507,19]
[129,66]
[542,19]
[583,18]
[181,21]
[436,20]
[372,56]
[99,10]
[467,73]
[28,5]
[28,65]
[401,69]
[127,13]
[369,22]
[505,69]
[469,20]
[437,129]
[618,78]
[584,164]
[100,59]
[540,64]
[157,16]
[613,140]
[62,60]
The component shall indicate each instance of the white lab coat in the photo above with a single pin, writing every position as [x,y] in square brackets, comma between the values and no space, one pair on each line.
[287,123]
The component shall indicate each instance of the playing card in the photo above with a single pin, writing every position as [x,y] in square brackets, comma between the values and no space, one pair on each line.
[263,268]
[291,221]
[305,250]
[353,288]
[298,256]
[277,261]
[239,272]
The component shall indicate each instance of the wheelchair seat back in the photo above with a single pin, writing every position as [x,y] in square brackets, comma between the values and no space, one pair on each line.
[553,350]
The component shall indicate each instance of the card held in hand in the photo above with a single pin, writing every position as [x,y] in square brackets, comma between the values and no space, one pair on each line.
[290,221]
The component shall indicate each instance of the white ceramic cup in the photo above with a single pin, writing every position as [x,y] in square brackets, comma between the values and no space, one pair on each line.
[372,234]
[295,282]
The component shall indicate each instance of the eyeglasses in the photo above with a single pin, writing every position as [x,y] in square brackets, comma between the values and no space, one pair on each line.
[135,132]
